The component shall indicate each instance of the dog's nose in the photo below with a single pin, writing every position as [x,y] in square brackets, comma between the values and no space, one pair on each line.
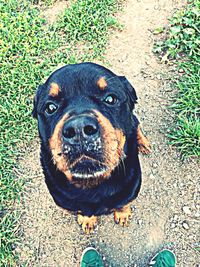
[80,127]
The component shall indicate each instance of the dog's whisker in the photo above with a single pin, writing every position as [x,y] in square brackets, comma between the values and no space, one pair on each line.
[123,166]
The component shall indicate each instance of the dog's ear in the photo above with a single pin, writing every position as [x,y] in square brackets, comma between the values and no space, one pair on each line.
[130,90]
[36,99]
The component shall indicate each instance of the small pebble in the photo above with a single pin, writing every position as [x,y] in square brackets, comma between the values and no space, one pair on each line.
[151,176]
[155,165]
[180,70]
[133,208]
[175,217]
[185,225]
[186,210]
[140,222]
[173,225]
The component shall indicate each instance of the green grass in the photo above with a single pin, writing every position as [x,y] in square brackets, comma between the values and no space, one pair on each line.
[87,24]
[182,45]
[89,21]
[29,50]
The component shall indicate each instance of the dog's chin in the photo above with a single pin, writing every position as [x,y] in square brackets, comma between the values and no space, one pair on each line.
[87,168]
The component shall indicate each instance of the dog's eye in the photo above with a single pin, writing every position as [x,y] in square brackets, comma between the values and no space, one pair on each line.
[110,99]
[51,108]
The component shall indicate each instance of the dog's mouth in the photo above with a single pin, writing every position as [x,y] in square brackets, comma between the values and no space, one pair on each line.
[86,167]
[85,160]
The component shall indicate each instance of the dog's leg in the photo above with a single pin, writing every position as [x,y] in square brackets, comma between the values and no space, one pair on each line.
[87,223]
[123,215]
[143,143]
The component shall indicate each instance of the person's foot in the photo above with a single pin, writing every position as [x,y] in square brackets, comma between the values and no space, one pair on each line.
[91,258]
[165,258]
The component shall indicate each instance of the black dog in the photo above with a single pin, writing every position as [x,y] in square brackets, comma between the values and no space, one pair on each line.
[89,141]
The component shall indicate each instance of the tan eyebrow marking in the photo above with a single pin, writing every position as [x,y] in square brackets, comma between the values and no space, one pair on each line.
[101,83]
[54,89]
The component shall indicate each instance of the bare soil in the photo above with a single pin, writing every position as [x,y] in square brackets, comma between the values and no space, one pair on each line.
[52,13]
[167,212]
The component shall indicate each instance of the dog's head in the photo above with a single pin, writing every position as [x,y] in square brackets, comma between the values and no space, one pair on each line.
[84,114]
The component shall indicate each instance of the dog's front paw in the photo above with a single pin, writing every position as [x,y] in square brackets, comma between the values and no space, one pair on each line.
[87,223]
[122,216]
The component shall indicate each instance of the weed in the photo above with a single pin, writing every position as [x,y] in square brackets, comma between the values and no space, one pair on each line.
[181,136]
[183,36]
[183,43]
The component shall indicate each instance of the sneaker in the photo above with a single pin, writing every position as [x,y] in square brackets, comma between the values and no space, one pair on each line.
[91,258]
[165,258]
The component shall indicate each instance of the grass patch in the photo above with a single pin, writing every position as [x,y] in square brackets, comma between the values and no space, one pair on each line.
[23,56]
[89,21]
[86,24]
[29,51]
[182,45]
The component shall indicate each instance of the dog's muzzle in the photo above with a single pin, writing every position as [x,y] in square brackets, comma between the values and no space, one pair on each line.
[82,145]
[86,146]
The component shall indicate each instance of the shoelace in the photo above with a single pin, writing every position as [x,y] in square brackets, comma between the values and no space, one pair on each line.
[91,264]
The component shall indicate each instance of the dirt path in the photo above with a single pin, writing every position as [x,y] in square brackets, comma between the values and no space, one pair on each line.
[167,211]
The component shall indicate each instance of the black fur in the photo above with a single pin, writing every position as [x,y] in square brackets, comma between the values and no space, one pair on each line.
[81,94]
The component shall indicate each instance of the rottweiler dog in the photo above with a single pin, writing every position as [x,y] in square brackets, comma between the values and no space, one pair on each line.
[90,140]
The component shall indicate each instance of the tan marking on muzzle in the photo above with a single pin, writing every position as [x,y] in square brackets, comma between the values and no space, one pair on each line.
[101,83]
[55,144]
[113,141]
[54,89]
